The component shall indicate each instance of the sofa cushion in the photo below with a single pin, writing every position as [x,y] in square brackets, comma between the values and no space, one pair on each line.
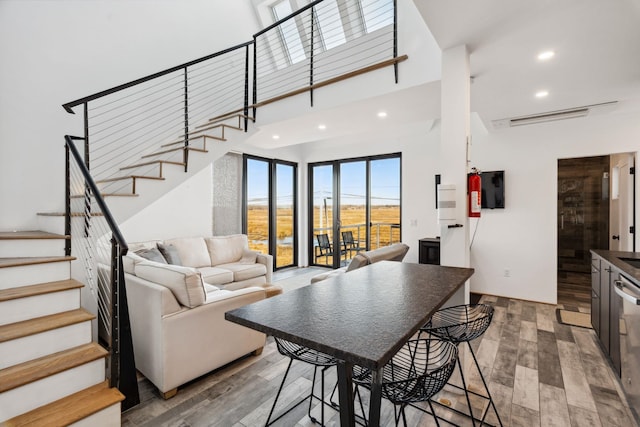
[248,257]
[170,254]
[216,276]
[130,260]
[245,271]
[185,283]
[192,251]
[360,260]
[152,254]
[226,249]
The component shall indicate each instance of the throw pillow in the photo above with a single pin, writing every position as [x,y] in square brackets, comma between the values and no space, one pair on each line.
[170,253]
[152,254]
[192,250]
[184,282]
[130,260]
[249,257]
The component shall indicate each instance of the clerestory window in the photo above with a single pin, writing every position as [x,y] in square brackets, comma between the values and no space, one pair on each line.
[289,32]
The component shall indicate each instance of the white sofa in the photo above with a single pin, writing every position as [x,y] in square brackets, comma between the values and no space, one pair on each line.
[394,252]
[177,311]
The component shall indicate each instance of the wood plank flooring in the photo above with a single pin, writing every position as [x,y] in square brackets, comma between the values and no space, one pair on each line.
[540,372]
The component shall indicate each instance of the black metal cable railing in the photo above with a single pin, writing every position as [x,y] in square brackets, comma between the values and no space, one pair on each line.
[99,246]
[161,113]
[321,42]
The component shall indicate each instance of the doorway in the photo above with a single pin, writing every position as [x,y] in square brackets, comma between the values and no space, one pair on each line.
[354,206]
[595,202]
[270,213]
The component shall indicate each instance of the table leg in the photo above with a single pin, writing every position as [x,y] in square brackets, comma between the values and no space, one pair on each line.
[375,399]
[345,390]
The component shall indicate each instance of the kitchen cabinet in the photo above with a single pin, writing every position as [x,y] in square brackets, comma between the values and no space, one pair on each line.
[618,329]
[595,293]
[605,312]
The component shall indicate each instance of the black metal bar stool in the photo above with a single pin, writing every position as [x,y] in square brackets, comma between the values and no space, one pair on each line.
[464,323]
[416,373]
[318,360]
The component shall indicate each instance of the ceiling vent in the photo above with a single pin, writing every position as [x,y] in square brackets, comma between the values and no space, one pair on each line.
[551,116]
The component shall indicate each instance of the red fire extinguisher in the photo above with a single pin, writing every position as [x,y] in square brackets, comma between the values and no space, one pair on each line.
[475,193]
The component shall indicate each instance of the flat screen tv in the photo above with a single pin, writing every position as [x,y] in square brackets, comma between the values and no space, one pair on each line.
[492,189]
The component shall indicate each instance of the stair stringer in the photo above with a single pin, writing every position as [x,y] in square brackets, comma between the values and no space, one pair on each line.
[149,191]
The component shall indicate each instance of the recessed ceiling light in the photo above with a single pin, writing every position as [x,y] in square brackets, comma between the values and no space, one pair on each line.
[541,93]
[547,54]
[322,127]
[276,136]
[382,114]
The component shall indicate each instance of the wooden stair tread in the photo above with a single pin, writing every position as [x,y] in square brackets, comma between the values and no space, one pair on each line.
[37,369]
[39,289]
[171,150]
[216,124]
[42,324]
[230,116]
[80,196]
[219,138]
[73,214]
[27,235]
[69,409]
[122,178]
[20,261]
[152,162]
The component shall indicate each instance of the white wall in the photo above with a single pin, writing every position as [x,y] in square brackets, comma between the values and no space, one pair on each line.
[183,212]
[523,236]
[55,51]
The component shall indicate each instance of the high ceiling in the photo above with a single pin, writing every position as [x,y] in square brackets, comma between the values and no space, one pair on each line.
[596,45]
[597,59]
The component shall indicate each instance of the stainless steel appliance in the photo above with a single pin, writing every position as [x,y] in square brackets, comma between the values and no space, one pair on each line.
[628,307]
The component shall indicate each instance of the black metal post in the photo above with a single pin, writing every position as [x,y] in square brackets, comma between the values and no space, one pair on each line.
[395,37]
[186,121]
[311,56]
[246,89]
[67,202]
[113,344]
[122,342]
[255,75]
[87,163]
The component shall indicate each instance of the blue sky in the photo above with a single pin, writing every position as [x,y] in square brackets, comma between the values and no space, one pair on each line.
[385,182]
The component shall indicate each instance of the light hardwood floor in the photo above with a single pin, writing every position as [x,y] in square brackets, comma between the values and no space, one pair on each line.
[541,373]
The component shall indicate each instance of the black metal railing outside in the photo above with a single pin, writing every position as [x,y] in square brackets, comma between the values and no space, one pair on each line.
[100,246]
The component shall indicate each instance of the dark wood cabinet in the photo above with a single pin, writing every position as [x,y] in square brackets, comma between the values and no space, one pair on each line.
[429,251]
[604,308]
[595,294]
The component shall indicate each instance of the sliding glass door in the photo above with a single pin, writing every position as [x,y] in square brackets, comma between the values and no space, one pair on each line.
[355,206]
[270,208]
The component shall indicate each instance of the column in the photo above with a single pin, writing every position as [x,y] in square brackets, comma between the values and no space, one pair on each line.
[455,131]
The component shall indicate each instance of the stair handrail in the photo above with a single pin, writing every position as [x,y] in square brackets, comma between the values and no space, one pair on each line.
[69,105]
[121,370]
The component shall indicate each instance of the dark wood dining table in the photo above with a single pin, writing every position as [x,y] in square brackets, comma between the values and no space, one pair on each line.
[362,317]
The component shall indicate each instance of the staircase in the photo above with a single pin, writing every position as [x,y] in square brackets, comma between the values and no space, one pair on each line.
[152,166]
[51,371]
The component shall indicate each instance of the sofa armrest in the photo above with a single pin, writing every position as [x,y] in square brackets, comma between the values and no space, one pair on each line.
[200,339]
[267,260]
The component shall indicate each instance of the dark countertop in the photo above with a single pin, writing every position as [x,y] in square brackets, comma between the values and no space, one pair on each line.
[613,257]
[363,316]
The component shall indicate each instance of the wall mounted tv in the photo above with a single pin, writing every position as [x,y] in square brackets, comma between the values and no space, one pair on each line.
[492,189]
